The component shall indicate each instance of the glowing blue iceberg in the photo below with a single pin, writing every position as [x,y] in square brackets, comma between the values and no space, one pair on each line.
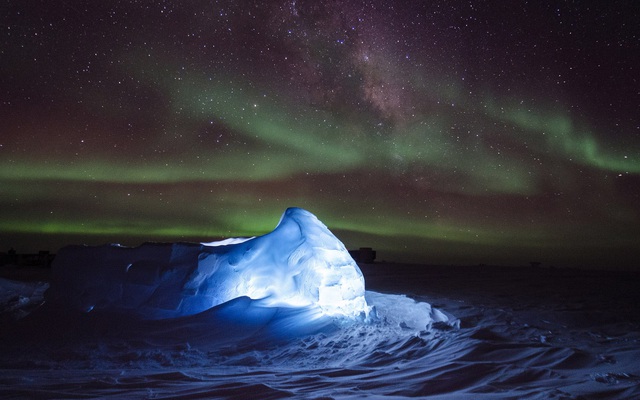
[300,264]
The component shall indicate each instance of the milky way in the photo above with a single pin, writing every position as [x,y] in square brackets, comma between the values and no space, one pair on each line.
[447,132]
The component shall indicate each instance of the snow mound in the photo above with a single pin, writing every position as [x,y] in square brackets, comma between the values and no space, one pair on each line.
[299,264]
[18,299]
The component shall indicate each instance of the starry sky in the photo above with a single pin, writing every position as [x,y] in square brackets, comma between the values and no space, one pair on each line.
[455,132]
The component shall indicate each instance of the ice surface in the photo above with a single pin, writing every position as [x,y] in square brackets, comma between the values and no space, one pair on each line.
[299,264]
[590,325]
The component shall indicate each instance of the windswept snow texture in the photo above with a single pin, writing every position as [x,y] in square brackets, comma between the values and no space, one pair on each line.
[300,264]
[521,334]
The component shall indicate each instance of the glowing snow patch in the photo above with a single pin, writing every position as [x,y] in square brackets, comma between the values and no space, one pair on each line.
[226,242]
[301,263]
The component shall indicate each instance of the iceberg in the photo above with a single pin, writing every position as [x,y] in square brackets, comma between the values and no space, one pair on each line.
[299,264]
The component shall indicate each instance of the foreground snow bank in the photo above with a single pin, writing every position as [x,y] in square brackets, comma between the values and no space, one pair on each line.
[18,299]
[299,264]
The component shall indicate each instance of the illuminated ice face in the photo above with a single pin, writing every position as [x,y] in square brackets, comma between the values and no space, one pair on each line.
[300,263]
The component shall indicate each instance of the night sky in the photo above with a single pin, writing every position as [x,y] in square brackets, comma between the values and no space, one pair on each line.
[456,132]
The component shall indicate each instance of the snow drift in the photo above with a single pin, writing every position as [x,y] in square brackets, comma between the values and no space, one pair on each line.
[300,263]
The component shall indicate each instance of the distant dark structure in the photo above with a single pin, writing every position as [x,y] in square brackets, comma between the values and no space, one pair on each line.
[10,257]
[43,258]
[364,255]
